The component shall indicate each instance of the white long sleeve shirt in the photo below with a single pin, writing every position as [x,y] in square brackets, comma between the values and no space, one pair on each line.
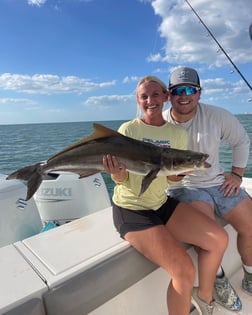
[206,130]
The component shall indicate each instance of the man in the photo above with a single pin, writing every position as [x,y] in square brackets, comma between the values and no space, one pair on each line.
[211,190]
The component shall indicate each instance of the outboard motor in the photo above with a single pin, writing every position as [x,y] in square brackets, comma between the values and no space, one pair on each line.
[19,219]
[63,196]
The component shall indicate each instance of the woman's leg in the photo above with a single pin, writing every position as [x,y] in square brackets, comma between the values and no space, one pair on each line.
[158,245]
[191,226]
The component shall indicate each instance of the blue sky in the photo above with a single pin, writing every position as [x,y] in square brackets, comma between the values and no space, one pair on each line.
[80,60]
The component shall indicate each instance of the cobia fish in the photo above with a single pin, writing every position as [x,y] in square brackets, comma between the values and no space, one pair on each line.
[85,158]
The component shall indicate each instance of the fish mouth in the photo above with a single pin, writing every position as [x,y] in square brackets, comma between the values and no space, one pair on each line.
[206,165]
[202,164]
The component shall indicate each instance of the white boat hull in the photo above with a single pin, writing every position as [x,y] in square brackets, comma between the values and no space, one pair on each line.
[84,267]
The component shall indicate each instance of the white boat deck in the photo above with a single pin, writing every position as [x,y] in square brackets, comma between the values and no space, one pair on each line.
[84,268]
[131,301]
[235,279]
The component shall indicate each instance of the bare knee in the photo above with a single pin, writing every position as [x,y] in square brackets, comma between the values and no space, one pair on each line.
[241,218]
[220,240]
[184,274]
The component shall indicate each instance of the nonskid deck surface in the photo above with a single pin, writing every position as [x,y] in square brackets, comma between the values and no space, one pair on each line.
[245,298]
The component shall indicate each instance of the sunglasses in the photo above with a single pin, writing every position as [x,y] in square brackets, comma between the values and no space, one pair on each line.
[188,90]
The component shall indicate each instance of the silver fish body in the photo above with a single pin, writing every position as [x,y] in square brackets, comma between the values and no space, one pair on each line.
[85,158]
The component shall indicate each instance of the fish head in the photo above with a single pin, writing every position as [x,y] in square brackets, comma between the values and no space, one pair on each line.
[176,161]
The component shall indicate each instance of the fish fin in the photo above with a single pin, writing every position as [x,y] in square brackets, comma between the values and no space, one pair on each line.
[31,174]
[148,179]
[89,172]
[99,132]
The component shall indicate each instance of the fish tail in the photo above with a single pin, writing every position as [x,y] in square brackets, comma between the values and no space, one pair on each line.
[32,174]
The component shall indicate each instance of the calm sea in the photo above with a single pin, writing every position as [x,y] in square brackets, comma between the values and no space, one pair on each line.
[26,144]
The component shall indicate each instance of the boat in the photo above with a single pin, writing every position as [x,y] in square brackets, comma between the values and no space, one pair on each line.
[60,254]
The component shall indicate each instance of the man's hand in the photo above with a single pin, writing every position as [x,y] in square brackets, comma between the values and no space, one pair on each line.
[231,185]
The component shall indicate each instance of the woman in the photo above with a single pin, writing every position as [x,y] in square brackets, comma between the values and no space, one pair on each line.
[155,224]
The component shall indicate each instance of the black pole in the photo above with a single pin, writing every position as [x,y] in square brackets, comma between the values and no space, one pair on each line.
[222,49]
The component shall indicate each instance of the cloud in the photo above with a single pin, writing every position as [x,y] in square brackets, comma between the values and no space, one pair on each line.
[129,79]
[49,84]
[8,101]
[39,3]
[107,101]
[186,39]
[36,2]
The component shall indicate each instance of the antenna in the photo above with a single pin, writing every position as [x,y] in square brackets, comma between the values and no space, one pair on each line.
[221,48]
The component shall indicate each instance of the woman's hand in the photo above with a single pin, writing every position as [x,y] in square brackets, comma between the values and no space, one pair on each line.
[178,177]
[175,178]
[117,170]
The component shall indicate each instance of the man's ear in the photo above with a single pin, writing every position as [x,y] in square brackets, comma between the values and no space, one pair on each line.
[166,96]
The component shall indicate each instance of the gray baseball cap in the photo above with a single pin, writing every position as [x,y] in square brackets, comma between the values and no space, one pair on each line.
[184,75]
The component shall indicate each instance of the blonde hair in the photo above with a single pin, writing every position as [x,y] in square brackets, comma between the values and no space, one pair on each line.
[150,78]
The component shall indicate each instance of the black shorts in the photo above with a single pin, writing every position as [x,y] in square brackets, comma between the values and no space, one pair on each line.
[126,220]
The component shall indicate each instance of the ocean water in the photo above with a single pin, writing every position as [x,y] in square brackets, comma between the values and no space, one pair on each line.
[22,145]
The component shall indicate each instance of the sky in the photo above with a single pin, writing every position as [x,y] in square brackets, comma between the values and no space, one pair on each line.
[80,60]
